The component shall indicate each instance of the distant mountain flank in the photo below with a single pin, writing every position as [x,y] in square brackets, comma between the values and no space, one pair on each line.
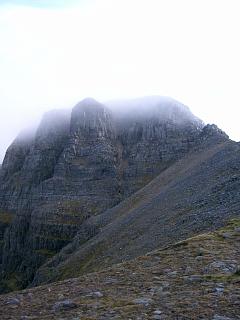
[105,183]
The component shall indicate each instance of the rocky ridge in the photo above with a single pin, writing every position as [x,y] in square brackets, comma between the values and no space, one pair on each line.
[55,183]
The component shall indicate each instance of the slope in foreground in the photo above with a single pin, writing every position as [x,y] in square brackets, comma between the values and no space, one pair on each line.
[198,278]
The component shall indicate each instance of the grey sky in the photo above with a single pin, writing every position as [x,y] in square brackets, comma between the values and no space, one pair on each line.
[54,54]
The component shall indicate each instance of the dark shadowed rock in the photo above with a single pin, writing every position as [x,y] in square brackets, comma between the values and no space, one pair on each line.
[13,301]
[64,305]
[197,193]
[61,184]
[144,301]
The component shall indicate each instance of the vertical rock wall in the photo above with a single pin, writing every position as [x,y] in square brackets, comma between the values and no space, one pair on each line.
[78,165]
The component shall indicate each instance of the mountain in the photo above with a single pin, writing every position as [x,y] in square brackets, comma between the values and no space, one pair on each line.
[197,193]
[106,183]
[197,278]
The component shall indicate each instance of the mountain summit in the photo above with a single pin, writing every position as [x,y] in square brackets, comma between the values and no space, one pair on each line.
[107,183]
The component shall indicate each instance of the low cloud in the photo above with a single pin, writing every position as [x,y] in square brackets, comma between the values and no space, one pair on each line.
[54,57]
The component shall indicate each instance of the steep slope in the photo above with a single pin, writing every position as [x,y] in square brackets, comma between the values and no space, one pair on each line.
[197,193]
[153,132]
[77,165]
[194,279]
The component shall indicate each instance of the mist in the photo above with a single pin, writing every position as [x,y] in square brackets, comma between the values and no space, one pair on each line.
[53,56]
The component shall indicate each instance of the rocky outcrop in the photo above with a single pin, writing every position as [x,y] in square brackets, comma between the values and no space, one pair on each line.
[80,164]
[20,191]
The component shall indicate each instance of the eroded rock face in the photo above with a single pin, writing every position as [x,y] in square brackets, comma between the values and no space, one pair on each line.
[78,165]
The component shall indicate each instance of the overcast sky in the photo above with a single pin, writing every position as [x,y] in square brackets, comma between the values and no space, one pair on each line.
[54,53]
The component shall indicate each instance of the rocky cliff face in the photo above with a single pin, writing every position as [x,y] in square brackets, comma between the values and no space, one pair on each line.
[80,164]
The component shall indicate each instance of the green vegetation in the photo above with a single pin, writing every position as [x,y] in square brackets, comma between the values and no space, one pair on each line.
[233,223]
[223,277]
[6,217]
[68,220]
[80,161]
[237,272]
[46,252]
[222,233]
[77,268]
[55,238]
[11,283]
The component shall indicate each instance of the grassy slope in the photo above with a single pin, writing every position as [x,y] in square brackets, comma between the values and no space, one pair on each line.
[198,278]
